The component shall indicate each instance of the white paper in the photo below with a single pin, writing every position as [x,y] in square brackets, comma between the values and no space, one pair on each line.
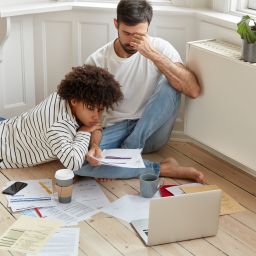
[20,206]
[30,212]
[89,193]
[32,191]
[34,195]
[129,208]
[130,158]
[176,190]
[87,198]
[70,213]
[28,234]
[64,242]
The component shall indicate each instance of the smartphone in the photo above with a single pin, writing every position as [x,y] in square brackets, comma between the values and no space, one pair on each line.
[14,188]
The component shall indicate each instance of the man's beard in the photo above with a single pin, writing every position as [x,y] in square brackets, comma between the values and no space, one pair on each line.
[126,48]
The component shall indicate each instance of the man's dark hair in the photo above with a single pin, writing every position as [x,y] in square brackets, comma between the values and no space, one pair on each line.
[133,12]
[93,86]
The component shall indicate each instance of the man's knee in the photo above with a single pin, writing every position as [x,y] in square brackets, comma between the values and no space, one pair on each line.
[166,91]
[158,139]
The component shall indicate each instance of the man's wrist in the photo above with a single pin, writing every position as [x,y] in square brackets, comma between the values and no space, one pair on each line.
[156,56]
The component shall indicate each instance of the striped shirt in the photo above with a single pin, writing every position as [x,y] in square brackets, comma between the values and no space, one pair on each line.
[45,133]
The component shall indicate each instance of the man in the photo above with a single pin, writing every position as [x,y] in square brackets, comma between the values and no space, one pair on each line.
[60,126]
[152,77]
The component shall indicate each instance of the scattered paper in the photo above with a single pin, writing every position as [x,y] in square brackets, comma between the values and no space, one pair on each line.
[64,242]
[35,190]
[70,214]
[38,193]
[87,198]
[28,234]
[121,157]
[30,212]
[89,193]
[228,204]
[129,208]
[177,190]
[20,206]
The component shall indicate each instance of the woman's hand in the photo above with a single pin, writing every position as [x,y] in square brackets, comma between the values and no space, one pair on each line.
[94,151]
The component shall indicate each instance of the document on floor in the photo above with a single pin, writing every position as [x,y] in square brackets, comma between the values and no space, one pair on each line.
[121,157]
[178,190]
[89,192]
[228,204]
[121,208]
[35,190]
[64,242]
[38,193]
[70,214]
[28,234]
[87,198]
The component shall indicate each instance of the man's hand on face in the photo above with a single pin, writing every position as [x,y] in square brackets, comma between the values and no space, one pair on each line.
[92,128]
[94,151]
[143,45]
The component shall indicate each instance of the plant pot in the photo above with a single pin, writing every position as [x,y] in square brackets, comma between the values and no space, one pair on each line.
[249,52]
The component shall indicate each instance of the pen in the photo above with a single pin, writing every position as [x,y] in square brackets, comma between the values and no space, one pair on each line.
[38,212]
[45,187]
[117,157]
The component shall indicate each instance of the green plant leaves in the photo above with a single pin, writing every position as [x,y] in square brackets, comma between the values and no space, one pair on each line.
[246,31]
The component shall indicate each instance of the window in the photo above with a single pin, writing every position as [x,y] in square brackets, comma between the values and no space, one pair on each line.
[246,6]
[160,2]
[252,4]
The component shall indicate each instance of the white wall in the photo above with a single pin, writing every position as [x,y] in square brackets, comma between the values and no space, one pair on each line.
[65,40]
[207,29]
[43,47]
[17,69]
[12,2]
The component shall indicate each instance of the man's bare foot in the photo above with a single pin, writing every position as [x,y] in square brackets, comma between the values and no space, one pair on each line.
[103,179]
[171,168]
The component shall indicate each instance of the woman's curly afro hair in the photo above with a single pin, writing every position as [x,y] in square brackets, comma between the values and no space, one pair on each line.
[93,86]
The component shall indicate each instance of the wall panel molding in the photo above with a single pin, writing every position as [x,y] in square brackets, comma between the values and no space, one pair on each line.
[87,43]
[17,73]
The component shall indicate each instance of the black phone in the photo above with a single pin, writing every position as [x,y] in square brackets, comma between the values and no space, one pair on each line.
[14,188]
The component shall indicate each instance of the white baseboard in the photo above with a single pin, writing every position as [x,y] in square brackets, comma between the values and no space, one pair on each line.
[180,136]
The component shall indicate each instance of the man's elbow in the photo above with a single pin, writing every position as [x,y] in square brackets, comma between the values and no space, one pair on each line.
[195,93]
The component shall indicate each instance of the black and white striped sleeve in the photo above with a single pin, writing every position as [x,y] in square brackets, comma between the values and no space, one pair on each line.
[67,144]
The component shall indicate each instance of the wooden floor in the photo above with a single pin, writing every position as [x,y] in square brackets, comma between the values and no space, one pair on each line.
[105,235]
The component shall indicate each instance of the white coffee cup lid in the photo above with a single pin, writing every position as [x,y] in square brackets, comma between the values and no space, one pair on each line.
[64,174]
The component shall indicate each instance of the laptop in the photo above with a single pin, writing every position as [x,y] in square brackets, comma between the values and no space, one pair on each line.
[181,217]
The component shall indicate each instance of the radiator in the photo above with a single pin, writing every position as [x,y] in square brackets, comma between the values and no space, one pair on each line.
[223,117]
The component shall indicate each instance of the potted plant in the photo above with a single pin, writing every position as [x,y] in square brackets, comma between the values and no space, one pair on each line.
[246,28]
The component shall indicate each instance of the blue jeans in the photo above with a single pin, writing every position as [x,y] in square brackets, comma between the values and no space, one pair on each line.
[150,132]
[1,119]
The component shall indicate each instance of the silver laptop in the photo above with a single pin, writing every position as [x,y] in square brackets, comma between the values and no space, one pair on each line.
[181,217]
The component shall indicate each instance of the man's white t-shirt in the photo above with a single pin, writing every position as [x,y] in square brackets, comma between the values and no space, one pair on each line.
[137,75]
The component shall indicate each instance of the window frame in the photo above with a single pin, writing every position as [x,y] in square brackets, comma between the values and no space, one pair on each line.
[116,1]
[242,7]
[153,2]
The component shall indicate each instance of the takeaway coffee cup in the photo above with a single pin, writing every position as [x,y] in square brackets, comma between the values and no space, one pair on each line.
[149,184]
[64,181]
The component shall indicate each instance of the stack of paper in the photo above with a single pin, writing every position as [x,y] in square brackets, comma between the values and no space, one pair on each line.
[28,234]
[38,193]
[130,158]
[64,242]
[87,198]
